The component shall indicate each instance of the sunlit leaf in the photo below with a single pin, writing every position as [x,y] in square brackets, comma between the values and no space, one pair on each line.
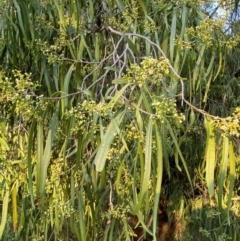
[210,156]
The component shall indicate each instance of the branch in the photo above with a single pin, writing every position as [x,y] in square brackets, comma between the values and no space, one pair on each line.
[117,59]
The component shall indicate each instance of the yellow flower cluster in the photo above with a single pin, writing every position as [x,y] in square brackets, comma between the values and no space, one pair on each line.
[166,108]
[150,71]
[229,125]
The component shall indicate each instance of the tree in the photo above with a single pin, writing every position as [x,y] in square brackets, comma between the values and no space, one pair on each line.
[115,102]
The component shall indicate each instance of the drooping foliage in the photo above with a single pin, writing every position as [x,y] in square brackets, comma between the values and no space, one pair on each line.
[106,107]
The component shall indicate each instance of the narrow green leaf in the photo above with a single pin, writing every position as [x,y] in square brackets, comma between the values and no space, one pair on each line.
[173,34]
[121,5]
[65,87]
[148,160]
[210,156]
[19,14]
[40,140]
[118,178]
[195,77]
[120,81]
[139,117]
[165,151]
[159,159]
[179,151]
[142,4]
[232,174]
[3,144]
[223,170]
[29,159]
[118,95]
[220,65]
[159,178]
[133,47]
[48,149]
[184,20]
[5,202]
[147,100]
[209,76]
[14,206]
[106,142]
[111,68]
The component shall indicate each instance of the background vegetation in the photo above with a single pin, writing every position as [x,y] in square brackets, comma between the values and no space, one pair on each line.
[119,120]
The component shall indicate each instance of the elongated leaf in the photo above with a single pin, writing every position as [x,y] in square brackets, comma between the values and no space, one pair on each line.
[178,150]
[106,142]
[159,159]
[195,78]
[29,159]
[141,219]
[232,174]
[120,81]
[65,87]
[208,73]
[4,212]
[165,151]
[48,149]
[111,68]
[133,47]
[40,140]
[142,4]
[223,170]
[118,95]
[173,34]
[19,14]
[138,116]
[45,155]
[145,165]
[4,144]
[148,157]
[159,177]
[118,178]
[210,156]
[146,97]
[14,206]
[219,64]
[184,20]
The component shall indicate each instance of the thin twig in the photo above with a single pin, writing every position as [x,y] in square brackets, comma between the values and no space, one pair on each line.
[147,39]
[101,63]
